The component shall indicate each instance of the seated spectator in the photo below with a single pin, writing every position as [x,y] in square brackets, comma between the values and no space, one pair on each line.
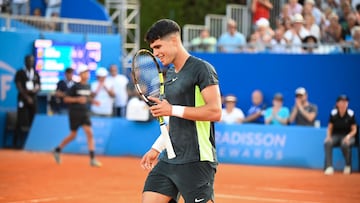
[204,43]
[137,109]
[277,114]
[310,8]
[231,114]
[303,113]
[294,7]
[311,26]
[255,112]
[103,94]
[57,103]
[348,25]
[310,45]
[231,41]
[278,42]
[355,32]
[332,33]
[295,35]
[341,131]
[284,14]
[263,34]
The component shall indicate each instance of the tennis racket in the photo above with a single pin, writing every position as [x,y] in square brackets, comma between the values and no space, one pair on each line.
[149,81]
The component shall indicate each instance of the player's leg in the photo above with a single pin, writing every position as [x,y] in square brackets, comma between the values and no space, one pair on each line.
[196,181]
[158,187]
[91,144]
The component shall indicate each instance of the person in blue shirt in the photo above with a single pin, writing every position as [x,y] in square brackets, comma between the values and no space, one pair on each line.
[231,41]
[277,114]
[256,110]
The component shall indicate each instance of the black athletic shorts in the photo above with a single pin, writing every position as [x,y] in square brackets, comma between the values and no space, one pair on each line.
[194,181]
[79,118]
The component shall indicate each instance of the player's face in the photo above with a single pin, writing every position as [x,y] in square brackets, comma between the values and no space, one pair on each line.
[164,49]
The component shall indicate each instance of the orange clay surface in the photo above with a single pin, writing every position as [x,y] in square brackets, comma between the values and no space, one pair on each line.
[35,177]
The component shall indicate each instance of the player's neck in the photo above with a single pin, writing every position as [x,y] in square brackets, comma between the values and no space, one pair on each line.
[180,60]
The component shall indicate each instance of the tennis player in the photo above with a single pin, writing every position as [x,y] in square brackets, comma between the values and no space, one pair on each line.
[79,98]
[193,103]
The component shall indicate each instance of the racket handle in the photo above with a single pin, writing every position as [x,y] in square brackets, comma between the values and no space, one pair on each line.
[169,148]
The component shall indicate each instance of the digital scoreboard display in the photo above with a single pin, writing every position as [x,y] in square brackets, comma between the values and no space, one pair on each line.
[52,58]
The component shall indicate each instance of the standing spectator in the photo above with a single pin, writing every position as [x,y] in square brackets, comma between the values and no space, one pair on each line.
[303,113]
[255,112]
[57,103]
[231,41]
[231,114]
[103,94]
[27,82]
[277,114]
[341,131]
[296,34]
[204,43]
[79,99]
[119,83]
[52,6]
[20,7]
[260,9]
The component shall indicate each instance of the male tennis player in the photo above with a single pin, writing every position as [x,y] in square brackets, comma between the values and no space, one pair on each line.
[79,98]
[193,103]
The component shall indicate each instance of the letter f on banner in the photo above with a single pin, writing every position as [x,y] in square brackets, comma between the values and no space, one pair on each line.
[5,85]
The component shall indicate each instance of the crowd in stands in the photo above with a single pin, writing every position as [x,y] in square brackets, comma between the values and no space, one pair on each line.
[309,26]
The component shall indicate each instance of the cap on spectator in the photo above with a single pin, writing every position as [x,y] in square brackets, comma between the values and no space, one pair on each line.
[230,98]
[101,72]
[310,2]
[278,96]
[300,91]
[297,18]
[342,97]
[262,22]
[82,68]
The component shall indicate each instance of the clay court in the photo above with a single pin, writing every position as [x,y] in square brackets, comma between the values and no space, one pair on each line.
[34,177]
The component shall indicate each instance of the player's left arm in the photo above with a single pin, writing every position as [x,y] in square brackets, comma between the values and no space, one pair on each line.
[210,111]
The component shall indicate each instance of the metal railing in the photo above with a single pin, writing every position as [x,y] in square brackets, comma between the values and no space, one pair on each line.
[65,25]
[190,32]
[242,15]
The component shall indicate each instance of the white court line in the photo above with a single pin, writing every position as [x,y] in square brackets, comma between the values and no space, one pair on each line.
[259,199]
[273,189]
[48,199]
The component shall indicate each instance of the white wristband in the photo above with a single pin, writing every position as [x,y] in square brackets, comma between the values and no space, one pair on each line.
[178,111]
[160,144]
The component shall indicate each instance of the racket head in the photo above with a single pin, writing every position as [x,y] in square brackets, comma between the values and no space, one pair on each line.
[147,76]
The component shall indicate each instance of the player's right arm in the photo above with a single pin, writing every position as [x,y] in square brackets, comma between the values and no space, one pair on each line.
[150,159]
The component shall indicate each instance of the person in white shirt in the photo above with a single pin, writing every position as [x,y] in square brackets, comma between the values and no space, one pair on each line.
[231,114]
[103,94]
[296,34]
[52,6]
[119,82]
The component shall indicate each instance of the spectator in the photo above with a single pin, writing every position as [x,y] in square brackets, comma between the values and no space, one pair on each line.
[278,42]
[263,34]
[137,109]
[52,6]
[295,35]
[79,98]
[310,8]
[341,131]
[232,41]
[277,114]
[311,26]
[119,82]
[20,7]
[294,7]
[53,24]
[231,114]
[333,32]
[255,112]
[284,14]
[27,82]
[303,113]
[334,5]
[103,94]
[310,45]
[57,103]
[204,43]
[348,25]
[355,32]
[260,9]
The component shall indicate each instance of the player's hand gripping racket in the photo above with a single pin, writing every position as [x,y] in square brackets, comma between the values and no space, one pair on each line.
[149,81]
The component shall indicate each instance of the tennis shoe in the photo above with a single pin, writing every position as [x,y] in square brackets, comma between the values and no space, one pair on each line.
[95,163]
[57,157]
[329,171]
[347,170]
